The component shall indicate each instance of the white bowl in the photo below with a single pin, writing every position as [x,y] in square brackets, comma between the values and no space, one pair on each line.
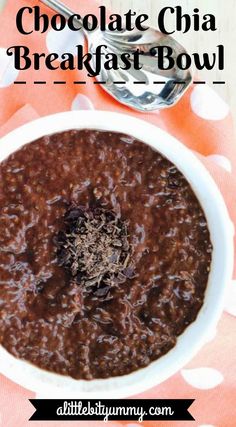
[221,230]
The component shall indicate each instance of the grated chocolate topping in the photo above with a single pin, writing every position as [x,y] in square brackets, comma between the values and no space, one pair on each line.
[95,249]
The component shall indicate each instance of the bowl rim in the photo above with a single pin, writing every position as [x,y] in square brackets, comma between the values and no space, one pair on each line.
[221,230]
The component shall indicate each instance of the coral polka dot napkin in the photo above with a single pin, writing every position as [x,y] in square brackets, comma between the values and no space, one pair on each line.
[202,121]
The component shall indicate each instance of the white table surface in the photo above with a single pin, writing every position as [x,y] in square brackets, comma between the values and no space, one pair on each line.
[225,12]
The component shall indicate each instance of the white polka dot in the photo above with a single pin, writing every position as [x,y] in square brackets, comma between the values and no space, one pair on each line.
[230,305]
[8,73]
[202,378]
[82,102]
[221,161]
[64,41]
[207,104]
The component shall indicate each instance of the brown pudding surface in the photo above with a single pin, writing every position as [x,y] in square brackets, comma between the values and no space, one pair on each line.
[51,317]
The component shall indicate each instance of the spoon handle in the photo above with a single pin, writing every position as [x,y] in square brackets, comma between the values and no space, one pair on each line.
[58,6]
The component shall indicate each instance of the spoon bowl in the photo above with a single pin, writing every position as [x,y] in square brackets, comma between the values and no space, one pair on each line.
[148,89]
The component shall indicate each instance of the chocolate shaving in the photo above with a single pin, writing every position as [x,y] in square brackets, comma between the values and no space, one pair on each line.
[95,249]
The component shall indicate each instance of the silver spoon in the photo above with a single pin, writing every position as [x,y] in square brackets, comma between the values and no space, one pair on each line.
[144,90]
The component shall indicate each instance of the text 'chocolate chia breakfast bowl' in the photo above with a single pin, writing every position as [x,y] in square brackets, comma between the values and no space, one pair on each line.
[116,249]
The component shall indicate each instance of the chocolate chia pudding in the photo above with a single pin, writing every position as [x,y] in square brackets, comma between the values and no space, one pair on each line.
[105,254]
